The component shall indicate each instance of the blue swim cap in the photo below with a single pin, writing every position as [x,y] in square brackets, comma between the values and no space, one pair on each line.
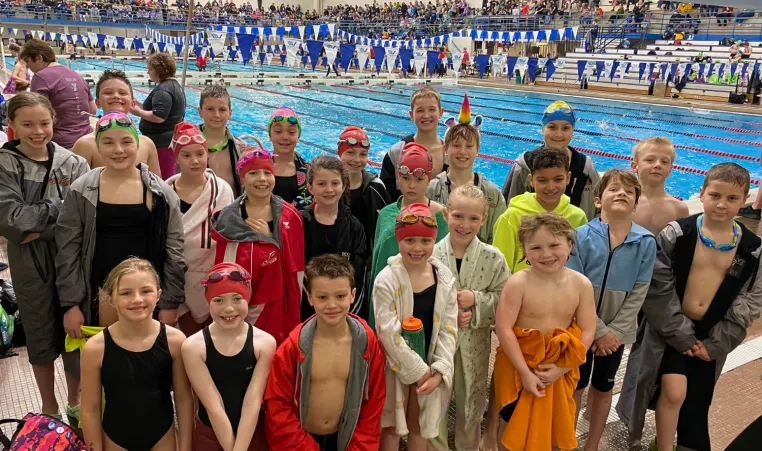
[558,111]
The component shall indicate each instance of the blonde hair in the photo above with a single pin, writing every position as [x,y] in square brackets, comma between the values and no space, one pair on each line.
[655,141]
[555,223]
[626,178]
[466,132]
[469,192]
[427,92]
[109,292]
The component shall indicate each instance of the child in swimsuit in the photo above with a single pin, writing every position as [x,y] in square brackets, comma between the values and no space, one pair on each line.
[228,363]
[133,365]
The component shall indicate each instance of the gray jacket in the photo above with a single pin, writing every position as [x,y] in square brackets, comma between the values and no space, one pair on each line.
[30,202]
[439,190]
[75,237]
[665,325]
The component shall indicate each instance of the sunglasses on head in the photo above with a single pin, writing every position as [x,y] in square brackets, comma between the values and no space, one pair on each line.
[419,172]
[186,139]
[354,142]
[120,121]
[291,119]
[215,277]
[410,219]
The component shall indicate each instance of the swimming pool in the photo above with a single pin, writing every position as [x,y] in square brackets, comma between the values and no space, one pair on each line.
[606,129]
[136,65]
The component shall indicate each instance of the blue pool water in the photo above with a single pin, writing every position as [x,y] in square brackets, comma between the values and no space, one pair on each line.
[135,65]
[607,129]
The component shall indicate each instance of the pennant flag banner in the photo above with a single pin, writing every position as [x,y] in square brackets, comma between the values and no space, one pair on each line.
[641,69]
[512,60]
[482,61]
[532,64]
[497,64]
[457,61]
[347,55]
[379,54]
[363,53]
[331,50]
[600,66]
[522,64]
[217,41]
[432,59]
[406,55]
[245,44]
[419,61]
[269,58]
[314,47]
[550,69]
[292,48]
[581,66]
[391,58]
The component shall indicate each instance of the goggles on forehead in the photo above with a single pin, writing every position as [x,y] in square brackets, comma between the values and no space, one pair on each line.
[215,277]
[419,172]
[123,122]
[410,219]
[186,139]
[290,119]
[354,142]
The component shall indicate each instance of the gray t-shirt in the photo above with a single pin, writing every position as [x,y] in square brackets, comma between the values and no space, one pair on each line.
[167,100]
[70,96]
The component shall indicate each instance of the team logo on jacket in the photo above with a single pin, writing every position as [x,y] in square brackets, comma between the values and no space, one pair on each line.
[346,254]
[271,258]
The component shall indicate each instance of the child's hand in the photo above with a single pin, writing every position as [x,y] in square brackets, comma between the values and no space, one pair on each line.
[606,345]
[430,385]
[550,372]
[464,318]
[30,237]
[259,225]
[692,352]
[533,384]
[466,298]
[424,378]
[702,353]
[73,319]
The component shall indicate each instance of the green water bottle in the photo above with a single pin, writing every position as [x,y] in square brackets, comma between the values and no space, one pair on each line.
[412,332]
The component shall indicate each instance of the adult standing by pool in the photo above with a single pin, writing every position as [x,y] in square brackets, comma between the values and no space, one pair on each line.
[162,110]
[66,90]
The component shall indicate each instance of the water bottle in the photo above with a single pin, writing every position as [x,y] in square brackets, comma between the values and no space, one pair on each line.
[412,332]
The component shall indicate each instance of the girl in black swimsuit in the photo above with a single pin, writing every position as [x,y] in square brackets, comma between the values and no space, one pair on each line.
[136,362]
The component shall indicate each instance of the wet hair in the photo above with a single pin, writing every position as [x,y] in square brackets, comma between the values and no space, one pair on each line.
[163,64]
[469,192]
[555,223]
[625,177]
[546,158]
[110,290]
[330,163]
[427,92]
[656,141]
[730,173]
[112,74]
[13,47]
[34,49]
[332,266]
[465,132]
[28,99]
[214,92]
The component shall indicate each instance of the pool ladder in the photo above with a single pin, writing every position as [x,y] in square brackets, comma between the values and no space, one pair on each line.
[253,138]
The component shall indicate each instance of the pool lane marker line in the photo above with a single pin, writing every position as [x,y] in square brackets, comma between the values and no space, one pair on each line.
[594,133]
[485,156]
[584,132]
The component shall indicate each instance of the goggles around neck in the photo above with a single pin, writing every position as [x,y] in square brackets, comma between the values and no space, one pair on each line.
[710,243]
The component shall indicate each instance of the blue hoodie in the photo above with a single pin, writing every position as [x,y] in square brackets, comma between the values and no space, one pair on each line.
[620,277]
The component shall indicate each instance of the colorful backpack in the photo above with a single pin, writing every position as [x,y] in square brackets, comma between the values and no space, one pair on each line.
[41,432]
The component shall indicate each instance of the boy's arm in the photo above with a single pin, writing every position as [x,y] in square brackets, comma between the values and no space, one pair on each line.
[405,362]
[485,302]
[662,307]
[368,430]
[264,348]
[282,425]
[447,339]
[628,312]
[153,157]
[585,315]
[504,240]
[731,331]
[507,311]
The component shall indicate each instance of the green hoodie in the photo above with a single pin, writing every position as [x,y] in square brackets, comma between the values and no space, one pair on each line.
[506,237]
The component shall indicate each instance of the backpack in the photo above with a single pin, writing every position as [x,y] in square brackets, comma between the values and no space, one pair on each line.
[6,333]
[41,432]
[10,305]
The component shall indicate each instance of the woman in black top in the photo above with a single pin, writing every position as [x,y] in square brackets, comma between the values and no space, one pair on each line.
[162,109]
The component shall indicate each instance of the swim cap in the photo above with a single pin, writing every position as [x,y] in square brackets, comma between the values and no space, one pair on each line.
[187,134]
[254,158]
[355,134]
[115,121]
[226,278]
[415,157]
[287,115]
[415,220]
[558,111]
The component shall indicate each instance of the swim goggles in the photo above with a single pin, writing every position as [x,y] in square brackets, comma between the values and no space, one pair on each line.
[419,172]
[410,219]
[354,142]
[186,139]
[215,277]
[710,243]
[115,121]
[290,119]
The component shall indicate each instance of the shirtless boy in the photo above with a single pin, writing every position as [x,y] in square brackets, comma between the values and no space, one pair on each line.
[550,306]
[704,294]
[333,362]
[113,92]
[652,160]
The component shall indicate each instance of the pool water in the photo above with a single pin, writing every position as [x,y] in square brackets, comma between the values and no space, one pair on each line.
[606,129]
[135,65]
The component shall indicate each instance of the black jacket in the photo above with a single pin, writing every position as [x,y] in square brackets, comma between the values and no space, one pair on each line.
[351,243]
[374,198]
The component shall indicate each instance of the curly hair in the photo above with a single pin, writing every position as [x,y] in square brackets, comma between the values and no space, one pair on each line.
[332,266]
[163,64]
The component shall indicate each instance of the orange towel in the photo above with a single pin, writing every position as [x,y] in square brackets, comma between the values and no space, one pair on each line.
[541,423]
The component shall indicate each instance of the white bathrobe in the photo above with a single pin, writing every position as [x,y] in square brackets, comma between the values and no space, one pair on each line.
[199,247]
[392,304]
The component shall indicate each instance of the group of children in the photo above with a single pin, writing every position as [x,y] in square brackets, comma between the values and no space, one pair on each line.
[328,309]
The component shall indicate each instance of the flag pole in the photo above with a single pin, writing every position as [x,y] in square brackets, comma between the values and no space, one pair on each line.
[187,41]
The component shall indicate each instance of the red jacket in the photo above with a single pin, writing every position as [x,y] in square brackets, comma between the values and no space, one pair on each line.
[365,395]
[273,262]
